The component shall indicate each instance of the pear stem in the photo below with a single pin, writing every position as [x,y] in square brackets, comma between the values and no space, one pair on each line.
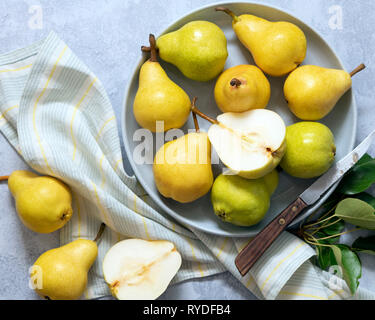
[227,11]
[235,82]
[148,49]
[358,69]
[152,48]
[145,49]
[196,125]
[3,178]
[202,115]
[100,232]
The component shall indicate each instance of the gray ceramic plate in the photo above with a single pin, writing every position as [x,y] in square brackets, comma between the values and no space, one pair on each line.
[342,120]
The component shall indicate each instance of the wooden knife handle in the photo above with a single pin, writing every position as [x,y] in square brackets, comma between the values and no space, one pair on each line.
[256,247]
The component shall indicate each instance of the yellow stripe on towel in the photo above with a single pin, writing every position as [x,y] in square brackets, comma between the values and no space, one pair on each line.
[103,126]
[195,257]
[280,263]
[142,217]
[76,107]
[6,111]
[298,294]
[16,69]
[36,107]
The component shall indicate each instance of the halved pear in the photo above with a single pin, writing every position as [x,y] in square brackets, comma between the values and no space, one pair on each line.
[137,269]
[249,143]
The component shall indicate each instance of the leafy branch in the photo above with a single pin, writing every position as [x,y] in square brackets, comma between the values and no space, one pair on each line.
[350,203]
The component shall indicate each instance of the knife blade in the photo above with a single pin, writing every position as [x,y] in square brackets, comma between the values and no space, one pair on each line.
[257,246]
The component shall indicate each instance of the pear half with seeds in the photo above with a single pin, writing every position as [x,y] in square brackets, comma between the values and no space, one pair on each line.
[249,143]
[137,269]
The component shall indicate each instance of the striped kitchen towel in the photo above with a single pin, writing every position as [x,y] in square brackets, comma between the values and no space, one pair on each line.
[56,114]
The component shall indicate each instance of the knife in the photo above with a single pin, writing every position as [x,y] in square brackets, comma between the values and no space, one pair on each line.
[258,245]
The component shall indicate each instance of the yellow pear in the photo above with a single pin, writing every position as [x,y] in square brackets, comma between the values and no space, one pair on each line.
[61,273]
[312,92]
[242,88]
[182,167]
[43,203]
[158,98]
[277,47]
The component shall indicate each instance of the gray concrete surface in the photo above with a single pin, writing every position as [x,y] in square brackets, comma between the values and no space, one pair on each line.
[107,35]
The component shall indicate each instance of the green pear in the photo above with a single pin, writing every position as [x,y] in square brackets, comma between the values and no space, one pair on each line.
[61,273]
[158,98]
[182,167]
[242,201]
[312,92]
[198,49]
[277,47]
[44,204]
[310,149]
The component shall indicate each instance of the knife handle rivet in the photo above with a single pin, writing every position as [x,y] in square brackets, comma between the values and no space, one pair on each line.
[294,208]
[281,221]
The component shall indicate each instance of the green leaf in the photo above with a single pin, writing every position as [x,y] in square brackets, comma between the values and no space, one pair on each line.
[356,212]
[350,264]
[325,257]
[334,228]
[360,177]
[320,234]
[364,196]
[324,253]
[365,244]
[365,158]
[331,202]
[327,208]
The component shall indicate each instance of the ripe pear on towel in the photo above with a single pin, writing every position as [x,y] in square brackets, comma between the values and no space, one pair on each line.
[61,273]
[277,47]
[158,98]
[312,91]
[198,49]
[251,143]
[242,88]
[43,203]
[182,167]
